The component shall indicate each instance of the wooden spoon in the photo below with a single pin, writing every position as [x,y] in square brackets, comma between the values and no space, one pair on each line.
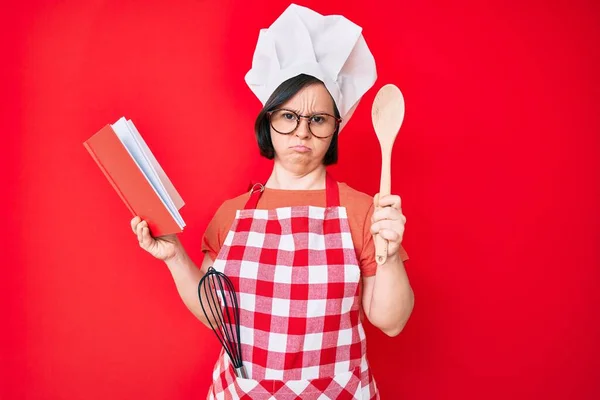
[387,115]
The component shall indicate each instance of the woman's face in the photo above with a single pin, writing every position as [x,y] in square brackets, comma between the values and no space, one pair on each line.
[300,151]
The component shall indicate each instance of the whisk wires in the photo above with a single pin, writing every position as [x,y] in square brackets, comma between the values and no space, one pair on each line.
[222,312]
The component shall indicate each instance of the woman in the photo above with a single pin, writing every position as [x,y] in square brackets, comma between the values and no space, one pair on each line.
[301,255]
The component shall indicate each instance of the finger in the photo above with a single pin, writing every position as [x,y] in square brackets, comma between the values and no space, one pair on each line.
[139,230]
[134,221]
[384,224]
[386,213]
[390,201]
[376,206]
[146,238]
[389,235]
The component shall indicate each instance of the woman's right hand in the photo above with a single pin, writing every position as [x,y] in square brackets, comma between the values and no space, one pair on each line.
[163,247]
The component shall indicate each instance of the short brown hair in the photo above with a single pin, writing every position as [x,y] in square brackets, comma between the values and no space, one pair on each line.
[285,91]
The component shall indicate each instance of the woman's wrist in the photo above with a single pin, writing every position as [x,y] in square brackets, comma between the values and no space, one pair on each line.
[179,257]
[393,259]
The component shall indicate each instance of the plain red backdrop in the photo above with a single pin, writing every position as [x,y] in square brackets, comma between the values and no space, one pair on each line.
[497,164]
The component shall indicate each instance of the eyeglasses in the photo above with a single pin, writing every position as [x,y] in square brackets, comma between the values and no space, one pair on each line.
[320,125]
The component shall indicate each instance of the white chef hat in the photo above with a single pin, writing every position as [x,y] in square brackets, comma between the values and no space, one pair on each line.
[330,48]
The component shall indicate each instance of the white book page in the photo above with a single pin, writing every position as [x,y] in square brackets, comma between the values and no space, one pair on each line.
[170,188]
[148,157]
[135,151]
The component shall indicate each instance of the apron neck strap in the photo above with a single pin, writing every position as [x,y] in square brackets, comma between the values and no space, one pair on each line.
[332,193]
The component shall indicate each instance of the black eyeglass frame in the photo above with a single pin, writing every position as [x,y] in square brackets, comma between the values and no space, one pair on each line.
[338,121]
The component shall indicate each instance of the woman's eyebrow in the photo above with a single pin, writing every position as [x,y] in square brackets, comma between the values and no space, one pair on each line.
[310,113]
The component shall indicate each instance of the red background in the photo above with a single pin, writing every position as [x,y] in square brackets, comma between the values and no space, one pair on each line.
[497,164]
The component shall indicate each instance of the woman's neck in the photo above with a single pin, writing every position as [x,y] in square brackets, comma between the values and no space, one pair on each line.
[289,180]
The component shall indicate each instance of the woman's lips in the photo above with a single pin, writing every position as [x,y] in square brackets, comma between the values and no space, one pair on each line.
[301,149]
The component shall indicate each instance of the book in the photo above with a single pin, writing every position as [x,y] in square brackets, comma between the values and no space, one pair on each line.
[129,165]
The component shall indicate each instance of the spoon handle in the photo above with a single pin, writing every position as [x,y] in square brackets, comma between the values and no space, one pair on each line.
[381,245]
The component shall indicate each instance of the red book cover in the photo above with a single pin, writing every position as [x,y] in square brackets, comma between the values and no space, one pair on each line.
[130,182]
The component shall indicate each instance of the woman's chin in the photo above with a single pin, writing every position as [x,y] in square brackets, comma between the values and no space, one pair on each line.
[299,162]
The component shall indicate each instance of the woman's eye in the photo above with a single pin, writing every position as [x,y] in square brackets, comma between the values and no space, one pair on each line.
[318,119]
[289,116]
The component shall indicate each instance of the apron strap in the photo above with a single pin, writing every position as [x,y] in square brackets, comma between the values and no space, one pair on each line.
[332,193]
[255,193]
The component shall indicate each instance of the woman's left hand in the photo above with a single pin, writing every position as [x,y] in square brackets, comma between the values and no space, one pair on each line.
[388,221]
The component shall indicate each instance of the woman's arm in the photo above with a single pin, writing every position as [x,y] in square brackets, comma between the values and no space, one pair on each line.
[186,276]
[185,273]
[388,299]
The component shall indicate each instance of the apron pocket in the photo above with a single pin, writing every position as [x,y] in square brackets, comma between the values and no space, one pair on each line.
[344,386]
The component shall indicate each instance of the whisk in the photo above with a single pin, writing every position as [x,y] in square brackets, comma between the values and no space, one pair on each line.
[223,314]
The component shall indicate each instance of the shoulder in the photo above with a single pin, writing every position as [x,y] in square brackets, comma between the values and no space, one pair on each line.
[218,226]
[228,208]
[354,199]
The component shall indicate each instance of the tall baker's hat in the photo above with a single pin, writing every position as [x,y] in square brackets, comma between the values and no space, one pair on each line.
[330,48]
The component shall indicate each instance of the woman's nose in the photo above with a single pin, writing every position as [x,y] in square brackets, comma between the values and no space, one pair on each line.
[303,130]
